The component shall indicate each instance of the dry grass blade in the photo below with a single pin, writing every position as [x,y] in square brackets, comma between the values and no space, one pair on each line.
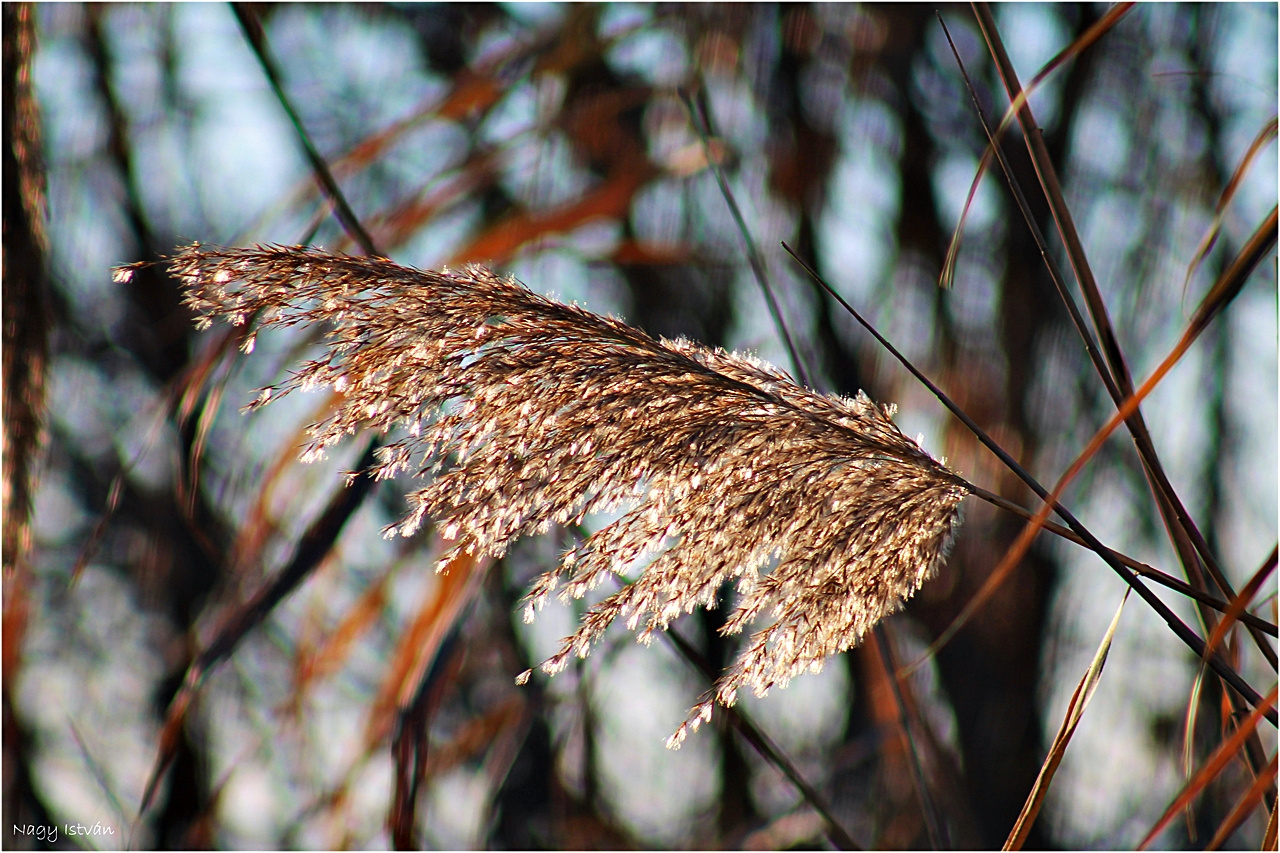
[1083,42]
[1240,811]
[1267,134]
[1207,773]
[420,644]
[1240,602]
[531,413]
[1231,615]
[1075,711]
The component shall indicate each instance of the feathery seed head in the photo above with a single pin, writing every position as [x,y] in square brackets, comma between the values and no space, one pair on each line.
[527,412]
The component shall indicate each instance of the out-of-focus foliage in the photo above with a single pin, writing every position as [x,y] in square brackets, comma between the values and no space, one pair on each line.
[552,142]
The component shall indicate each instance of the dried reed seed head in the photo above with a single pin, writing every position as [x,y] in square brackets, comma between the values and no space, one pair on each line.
[523,412]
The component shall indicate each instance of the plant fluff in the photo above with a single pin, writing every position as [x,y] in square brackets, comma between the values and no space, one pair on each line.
[521,412]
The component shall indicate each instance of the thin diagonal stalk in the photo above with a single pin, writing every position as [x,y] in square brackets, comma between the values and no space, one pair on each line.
[1186,536]
[702,125]
[1055,275]
[257,39]
[768,750]
[1179,628]
[1095,32]
[1212,766]
[1154,574]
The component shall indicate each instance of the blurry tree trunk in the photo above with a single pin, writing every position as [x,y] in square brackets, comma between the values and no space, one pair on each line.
[25,284]
[25,351]
[185,551]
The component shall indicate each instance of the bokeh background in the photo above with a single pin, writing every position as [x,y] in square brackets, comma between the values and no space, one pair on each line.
[550,141]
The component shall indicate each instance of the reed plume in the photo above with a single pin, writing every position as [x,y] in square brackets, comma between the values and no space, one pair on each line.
[521,412]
